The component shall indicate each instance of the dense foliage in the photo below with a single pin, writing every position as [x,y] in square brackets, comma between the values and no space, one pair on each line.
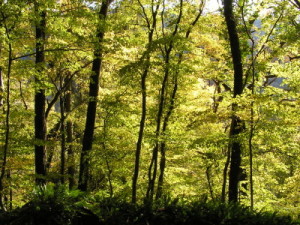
[136,99]
[56,205]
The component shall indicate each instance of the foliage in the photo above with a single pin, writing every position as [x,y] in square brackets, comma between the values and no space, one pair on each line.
[197,137]
[50,204]
[169,211]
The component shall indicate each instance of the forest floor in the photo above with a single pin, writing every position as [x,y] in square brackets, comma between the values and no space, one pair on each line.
[77,210]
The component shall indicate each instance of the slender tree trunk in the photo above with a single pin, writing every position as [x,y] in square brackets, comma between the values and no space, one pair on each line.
[152,171]
[1,88]
[69,133]
[217,99]
[225,171]
[40,99]
[163,144]
[7,129]
[63,139]
[209,182]
[236,123]
[151,28]
[109,169]
[153,164]
[173,96]
[53,134]
[251,135]
[141,132]
[92,104]
[4,155]
[251,155]
[296,3]
[8,176]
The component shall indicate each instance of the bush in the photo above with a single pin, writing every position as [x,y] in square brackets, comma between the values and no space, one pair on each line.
[114,211]
[52,205]
[56,205]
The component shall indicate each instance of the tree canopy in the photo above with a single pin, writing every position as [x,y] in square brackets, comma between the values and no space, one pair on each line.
[151,98]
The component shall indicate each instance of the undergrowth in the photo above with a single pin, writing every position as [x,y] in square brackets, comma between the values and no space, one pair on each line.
[56,205]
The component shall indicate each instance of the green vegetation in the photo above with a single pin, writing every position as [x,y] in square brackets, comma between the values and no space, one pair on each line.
[149,112]
[56,205]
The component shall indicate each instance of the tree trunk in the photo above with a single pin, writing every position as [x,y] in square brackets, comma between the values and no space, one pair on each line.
[1,87]
[7,128]
[152,171]
[40,99]
[225,171]
[92,104]
[69,133]
[171,106]
[163,144]
[151,29]
[141,132]
[235,161]
[209,182]
[63,138]
[109,169]
[236,123]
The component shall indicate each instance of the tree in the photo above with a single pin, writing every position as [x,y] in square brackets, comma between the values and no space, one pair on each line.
[146,57]
[237,125]
[40,98]
[4,170]
[92,104]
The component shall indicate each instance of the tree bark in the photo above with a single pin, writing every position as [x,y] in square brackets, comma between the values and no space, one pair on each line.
[92,104]
[236,123]
[40,99]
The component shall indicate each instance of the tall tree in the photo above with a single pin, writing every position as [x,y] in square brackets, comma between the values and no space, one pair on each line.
[40,98]
[1,87]
[62,101]
[4,169]
[146,57]
[237,126]
[69,133]
[167,49]
[171,104]
[93,95]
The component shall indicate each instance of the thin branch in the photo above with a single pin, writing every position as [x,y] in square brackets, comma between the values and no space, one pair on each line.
[262,47]
[59,92]
[296,3]
[22,96]
[201,7]
[47,50]
[294,57]
[145,14]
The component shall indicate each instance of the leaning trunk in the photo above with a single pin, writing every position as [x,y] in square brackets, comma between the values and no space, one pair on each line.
[92,105]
